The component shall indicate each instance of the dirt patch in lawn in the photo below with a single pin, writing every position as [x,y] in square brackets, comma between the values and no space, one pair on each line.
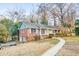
[35,48]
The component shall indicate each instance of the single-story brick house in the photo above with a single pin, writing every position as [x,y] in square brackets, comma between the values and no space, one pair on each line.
[28,31]
[31,31]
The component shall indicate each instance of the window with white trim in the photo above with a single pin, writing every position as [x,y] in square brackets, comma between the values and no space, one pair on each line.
[33,30]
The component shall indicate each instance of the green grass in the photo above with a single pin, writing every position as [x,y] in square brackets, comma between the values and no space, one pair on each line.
[54,41]
[49,40]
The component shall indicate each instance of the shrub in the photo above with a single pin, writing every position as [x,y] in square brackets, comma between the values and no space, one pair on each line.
[77,31]
[4,34]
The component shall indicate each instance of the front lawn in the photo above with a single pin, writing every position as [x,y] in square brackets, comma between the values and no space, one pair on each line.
[50,40]
[34,48]
[54,41]
[71,47]
[72,40]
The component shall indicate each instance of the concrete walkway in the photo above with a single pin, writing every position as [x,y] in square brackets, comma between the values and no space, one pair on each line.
[53,51]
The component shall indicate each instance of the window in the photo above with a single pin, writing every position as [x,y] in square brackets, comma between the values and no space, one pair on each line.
[58,30]
[42,31]
[33,30]
[55,30]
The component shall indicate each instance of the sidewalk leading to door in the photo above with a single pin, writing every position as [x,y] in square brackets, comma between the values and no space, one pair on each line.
[52,51]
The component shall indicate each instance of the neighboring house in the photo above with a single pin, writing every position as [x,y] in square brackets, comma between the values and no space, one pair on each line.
[28,32]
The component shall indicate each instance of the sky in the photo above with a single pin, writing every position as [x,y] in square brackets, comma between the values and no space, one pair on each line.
[9,6]
[27,6]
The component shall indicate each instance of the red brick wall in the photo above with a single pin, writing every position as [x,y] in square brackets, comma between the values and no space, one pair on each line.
[24,32]
[27,34]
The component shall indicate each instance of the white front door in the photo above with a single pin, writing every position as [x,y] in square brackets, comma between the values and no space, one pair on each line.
[23,39]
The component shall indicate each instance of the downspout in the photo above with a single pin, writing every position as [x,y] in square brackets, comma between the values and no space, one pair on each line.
[18,34]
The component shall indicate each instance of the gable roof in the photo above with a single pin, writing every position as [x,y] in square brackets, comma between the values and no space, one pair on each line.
[27,25]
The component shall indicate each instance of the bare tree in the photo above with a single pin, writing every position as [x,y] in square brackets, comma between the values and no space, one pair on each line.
[60,10]
[42,12]
[33,15]
[18,14]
